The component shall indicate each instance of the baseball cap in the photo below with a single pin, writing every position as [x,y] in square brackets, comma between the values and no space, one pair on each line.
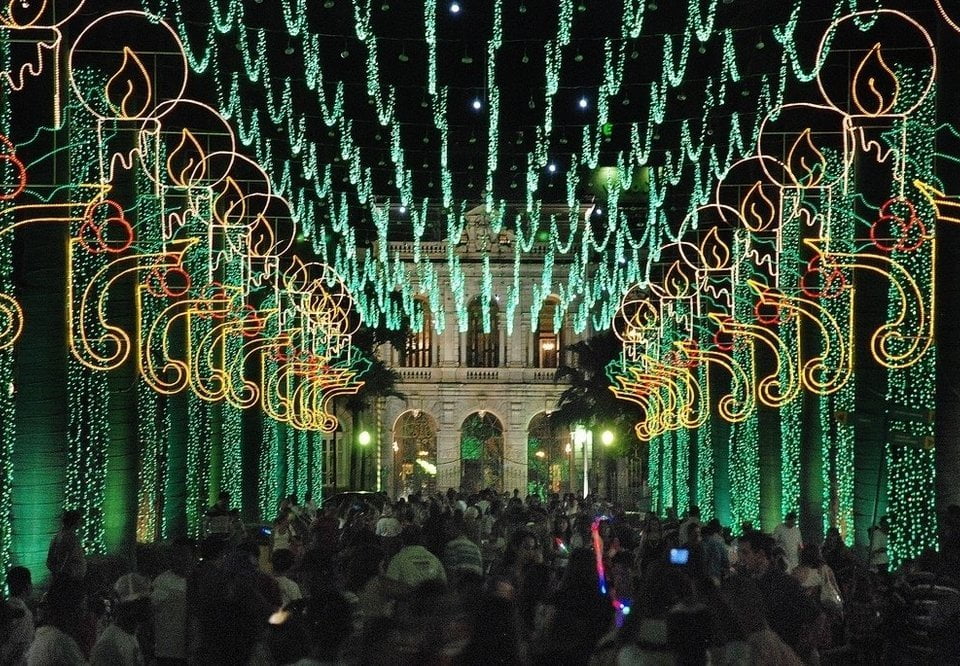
[131,587]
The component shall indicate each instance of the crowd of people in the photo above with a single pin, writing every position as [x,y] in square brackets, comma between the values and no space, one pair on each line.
[487,578]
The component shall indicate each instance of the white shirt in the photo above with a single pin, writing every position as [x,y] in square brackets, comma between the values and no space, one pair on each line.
[789,539]
[289,590]
[168,601]
[52,646]
[115,647]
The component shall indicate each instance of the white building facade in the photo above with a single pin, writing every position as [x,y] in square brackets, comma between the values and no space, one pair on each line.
[475,403]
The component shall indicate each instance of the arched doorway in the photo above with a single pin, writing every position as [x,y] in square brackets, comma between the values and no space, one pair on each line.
[414,454]
[481,452]
[547,460]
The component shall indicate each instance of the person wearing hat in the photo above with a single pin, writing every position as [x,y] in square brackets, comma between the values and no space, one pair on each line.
[118,644]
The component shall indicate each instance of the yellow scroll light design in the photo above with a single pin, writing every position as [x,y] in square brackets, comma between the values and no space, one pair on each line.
[914,323]
[641,391]
[690,411]
[92,306]
[771,390]
[738,404]
[325,385]
[208,376]
[818,374]
[124,84]
[881,105]
[158,343]
[947,206]
[668,390]
[243,392]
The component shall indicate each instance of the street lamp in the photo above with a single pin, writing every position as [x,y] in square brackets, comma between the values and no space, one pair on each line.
[607,438]
[363,439]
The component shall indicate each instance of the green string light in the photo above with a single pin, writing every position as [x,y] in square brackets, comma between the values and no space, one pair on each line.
[682,164]
[7,359]
[744,435]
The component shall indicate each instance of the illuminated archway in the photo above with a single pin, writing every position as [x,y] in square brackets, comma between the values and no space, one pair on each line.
[414,454]
[481,452]
[547,459]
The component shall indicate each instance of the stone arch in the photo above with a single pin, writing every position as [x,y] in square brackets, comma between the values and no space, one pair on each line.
[481,452]
[548,460]
[414,453]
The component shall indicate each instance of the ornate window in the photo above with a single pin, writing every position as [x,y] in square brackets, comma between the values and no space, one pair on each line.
[418,352]
[483,348]
[546,341]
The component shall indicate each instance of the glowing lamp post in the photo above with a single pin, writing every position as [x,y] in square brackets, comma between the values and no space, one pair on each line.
[363,439]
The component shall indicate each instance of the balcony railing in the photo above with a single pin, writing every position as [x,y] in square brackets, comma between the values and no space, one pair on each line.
[439,375]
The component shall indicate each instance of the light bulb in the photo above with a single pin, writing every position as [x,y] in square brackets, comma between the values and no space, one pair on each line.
[454,7]
[477,104]
[583,102]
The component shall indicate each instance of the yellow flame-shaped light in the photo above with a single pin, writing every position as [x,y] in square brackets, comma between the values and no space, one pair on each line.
[805,161]
[877,103]
[186,165]
[129,82]
[757,210]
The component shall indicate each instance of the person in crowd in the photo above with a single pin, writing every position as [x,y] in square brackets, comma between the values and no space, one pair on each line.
[522,551]
[168,606]
[836,553]
[693,518]
[309,508]
[716,559]
[495,634]
[787,539]
[229,610]
[577,617]
[388,527]
[535,592]
[65,558]
[414,564]
[878,559]
[62,613]
[282,562]
[18,624]
[819,583]
[741,597]
[284,533]
[643,638]
[118,644]
[221,522]
[460,554]
[789,612]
